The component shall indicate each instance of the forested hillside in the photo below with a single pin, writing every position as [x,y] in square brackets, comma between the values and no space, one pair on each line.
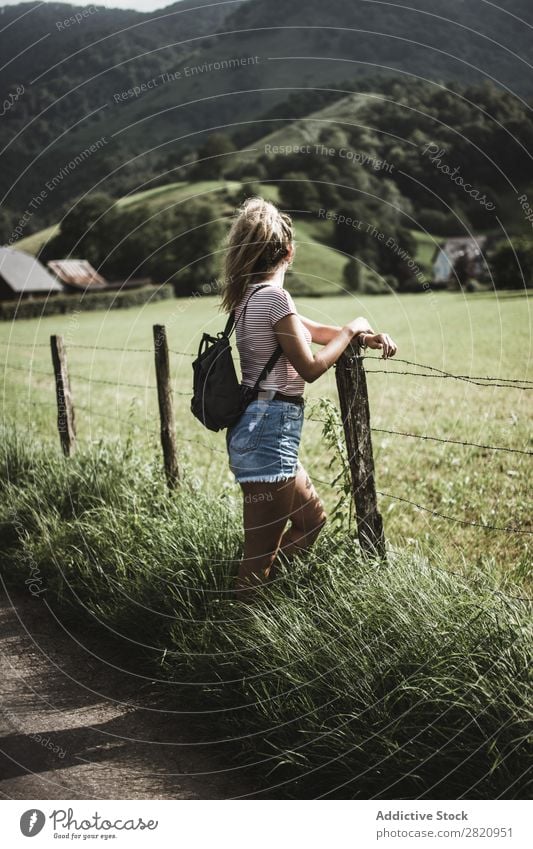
[95,79]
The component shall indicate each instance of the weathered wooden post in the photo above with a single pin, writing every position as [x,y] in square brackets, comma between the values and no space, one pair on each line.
[66,423]
[166,407]
[355,410]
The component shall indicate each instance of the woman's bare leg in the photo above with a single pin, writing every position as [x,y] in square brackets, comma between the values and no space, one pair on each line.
[307,517]
[266,509]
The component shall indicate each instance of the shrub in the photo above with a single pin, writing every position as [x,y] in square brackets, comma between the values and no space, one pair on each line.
[302,288]
[512,264]
[352,276]
[61,304]
[297,193]
[213,159]
[391,282]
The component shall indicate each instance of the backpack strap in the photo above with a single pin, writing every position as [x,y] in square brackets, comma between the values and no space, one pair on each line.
[231,324]
[268,367]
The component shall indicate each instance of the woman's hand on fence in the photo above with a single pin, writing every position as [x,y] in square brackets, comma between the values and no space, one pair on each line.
[359,325]
[383,341]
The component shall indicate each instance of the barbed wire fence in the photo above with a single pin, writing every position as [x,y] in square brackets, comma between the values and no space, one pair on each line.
[355,415]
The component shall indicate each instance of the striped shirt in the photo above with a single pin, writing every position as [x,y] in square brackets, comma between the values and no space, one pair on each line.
[256,339]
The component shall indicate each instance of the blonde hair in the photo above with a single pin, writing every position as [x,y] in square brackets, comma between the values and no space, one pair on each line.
[259,240]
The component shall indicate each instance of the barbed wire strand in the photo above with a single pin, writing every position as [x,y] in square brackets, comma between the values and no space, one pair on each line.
[453,441]
[129,350]
[399,433]
[310,418]
[448,376]
[442,372]
[118,383]
[478,380]
[436,513]
[115,383]
[117,349]
[99,380]
[438,439]
[84,408]
[129,422]
[445,373]
[453,518]
[28,370]
[155,432]
[25,344]
[111,348]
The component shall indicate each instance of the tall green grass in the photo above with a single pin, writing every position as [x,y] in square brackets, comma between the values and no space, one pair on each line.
[345,679]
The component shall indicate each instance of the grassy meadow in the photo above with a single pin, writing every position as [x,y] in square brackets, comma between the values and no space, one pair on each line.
[345,679]
[477,334]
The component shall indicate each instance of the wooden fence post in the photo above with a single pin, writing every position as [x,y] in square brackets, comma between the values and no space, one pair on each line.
[66,424]
[355,410]
[166,408]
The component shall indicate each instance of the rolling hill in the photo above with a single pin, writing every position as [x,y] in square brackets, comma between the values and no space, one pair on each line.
[317,269]
[222,66]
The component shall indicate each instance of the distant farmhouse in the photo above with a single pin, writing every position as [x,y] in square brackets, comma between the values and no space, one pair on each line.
[77,275]
[23,276]
[457,257]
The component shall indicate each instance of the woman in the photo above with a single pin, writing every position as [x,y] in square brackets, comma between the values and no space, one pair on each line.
[263,444]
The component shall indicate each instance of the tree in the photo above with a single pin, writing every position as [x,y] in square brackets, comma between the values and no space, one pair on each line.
[350,234]
[512,265]
[212,157]
[7,223]
[396,259]
[87,231]
[352,275]
[333,137]
[186,248]
[462,268]
[296,192]
[175,245]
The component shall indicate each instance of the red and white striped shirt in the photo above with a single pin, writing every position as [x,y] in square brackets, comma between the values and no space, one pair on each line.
[256,339]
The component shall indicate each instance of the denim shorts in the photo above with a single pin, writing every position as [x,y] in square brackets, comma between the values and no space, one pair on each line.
[263,444]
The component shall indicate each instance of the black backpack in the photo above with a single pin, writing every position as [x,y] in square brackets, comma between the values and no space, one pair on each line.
[219,399]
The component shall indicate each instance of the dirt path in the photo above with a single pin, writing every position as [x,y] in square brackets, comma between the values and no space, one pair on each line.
[74,727]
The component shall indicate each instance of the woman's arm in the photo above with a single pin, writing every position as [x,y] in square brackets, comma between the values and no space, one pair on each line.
[320,333]
[290,335]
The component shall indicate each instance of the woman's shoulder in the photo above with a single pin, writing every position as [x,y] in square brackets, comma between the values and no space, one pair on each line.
[261,296]
[266,294]
[273,302]
[275,292]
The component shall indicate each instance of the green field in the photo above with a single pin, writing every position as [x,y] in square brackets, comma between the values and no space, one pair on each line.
[478,334]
